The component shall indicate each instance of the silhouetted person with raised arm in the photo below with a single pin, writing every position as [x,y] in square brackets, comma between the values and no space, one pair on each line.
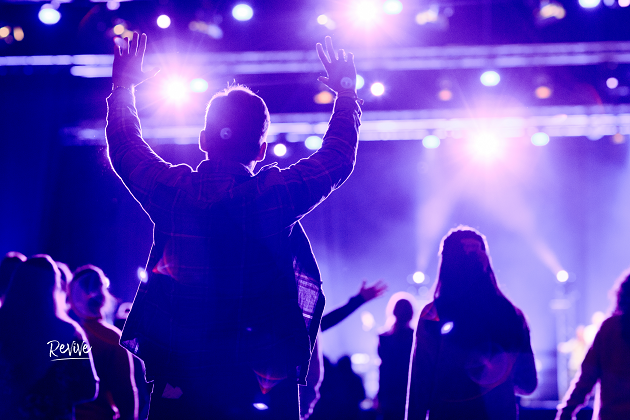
[8,265]
[394,350]
[607,362]
[118,395]
[472,348]
[38,380]
[227,319]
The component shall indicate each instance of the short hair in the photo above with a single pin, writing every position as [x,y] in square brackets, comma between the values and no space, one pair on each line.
[88,291]
[236,124]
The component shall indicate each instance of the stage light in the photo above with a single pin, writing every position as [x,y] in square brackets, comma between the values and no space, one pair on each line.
[624,3]
[323,97]
[176,90]
[142,275]
[540,139]
[242,12]
[198,85]
[612,82]
[313,142]
[18,33]
[418,277]
[280,150]
[447,328]
[260,406]
[360,81]
[431,142]
[322,19]
[113,5]
[543,92]
[49,15]
[428,16]
[490,78]
[392,7]
[163,21]
[562,276]
[551,10]
[486,147]
[119,29]
[5,31]
[365,13]
[589,4]
[377,89]
[445,95]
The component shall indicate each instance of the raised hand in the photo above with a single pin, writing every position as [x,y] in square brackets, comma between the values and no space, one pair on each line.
[127,68]
[342,75]
[374,291]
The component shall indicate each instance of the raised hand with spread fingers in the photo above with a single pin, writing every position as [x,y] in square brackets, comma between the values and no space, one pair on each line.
[127,69]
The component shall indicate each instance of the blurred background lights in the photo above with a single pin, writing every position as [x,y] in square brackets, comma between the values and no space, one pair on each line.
[323,97]
[242,12]
[5,31]
[49,15]
[618,138]
[418,277]
[377,89]
[163,21]
[612,82]
[447,328]
[142,275]
[624,3]
[176,89]
[260,406]
[392,7]
[543,92]
[562,276]
[18,33]
[490,78]
[119,29]
[280,150]
[552,10]
[367,320]
[445,95]
[589,4]
[540,139]
[428,16]
[198,85]
[322,19]
[313,142]
[430,142]
[113,5]
[360,81]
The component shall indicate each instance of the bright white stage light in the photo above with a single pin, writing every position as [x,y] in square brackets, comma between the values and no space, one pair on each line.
[198,85]
[242,12]
[377,89]
[142,275]
[313,142]
[418,277]
[280,150]
[163,21]
[486,147]
[322,19]
[540,139]
[589,4]
[431,142]
[490,78]
[562,276]
[261,406]
[612,82]
[49,15]
[365,13]
[392,7]
[447,328]
[176,89]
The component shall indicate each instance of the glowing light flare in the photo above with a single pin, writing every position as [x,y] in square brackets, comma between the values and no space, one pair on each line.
[377,89]
[618,138]
[368,321]
[430,142]
[360,81]
[392,7]
[260,406]
[176,90]
[119,29]
[552,10]
[589,4]
[163,21]
[49,15]
[486,147]
[242,12]
[142,275]
[446,328]
[322,19]
[198,85]
[323,97]
[280,150]
[612,82]
[445,95]
[543,92]
[5,31]
[313,142]
[490,78]
[418,277]
[364,13]
[540,139]
[562,276]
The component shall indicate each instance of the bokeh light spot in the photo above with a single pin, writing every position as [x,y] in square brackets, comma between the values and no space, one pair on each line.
[490,78]
[322,19]
[260,406]
[360,81]
[543,92]
[589,4]
[447,328]
[445,95]
[5,31]
[176,89]
[624,3]
[431,142]
[313,142]
[540,139]
[377,89]
[562,276]
[242,12]
[486,147]
[612,82]
[618,138]
[280,150]
[49,15]
[113,5]
[163,21]
[142,275]
[392,7]
[18,33]
[119,29]
[323,97]
[418,277]
[198,85]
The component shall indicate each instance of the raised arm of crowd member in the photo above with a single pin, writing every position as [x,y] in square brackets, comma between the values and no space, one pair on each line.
[365,295]
[299,188]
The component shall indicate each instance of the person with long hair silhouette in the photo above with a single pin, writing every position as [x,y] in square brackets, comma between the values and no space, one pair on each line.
[472,349]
